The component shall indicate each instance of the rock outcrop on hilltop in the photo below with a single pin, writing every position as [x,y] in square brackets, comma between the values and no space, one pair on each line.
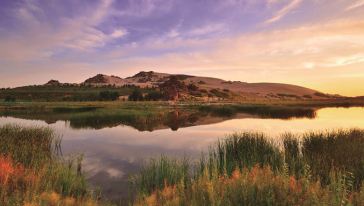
[52,82]
[104,79]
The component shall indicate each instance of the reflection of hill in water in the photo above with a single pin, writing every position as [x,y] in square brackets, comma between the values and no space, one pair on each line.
[149,121]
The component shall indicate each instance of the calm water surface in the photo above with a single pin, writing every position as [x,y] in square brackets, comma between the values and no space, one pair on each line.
[113,153]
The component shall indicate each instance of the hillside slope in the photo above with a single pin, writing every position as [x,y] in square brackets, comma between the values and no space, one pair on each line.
[207,87]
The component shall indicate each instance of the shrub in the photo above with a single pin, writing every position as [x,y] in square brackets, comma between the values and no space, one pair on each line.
[218,93]
[136,95]
[108,95]
[9,99]
[154,96]
[192,87]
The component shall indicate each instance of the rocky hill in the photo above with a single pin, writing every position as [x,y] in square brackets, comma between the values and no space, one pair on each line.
[178,86]
[102,79]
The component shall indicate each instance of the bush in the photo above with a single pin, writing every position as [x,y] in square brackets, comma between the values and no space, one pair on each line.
[218,93]
[154,96]
[107,96]
[9,99]
[136,95]
[192,87]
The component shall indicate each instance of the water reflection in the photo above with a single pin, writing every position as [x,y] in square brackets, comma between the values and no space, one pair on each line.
[99,118]
[115,150]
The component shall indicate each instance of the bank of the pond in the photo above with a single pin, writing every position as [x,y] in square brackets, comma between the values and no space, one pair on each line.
[322,168]
[33,174]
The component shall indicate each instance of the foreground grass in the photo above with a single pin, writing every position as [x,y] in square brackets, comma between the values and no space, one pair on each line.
[323,168]
[33,174]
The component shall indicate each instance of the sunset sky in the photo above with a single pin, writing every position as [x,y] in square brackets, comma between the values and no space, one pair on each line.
[313,43]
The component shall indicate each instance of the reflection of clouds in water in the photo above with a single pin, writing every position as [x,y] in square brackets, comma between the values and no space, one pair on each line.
[11,120]
[93,166]
[114,172]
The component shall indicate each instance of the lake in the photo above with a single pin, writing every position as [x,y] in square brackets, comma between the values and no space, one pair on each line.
[114,151]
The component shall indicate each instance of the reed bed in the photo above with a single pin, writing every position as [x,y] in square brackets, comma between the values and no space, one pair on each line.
[160,172]
[317,168]
[33,174]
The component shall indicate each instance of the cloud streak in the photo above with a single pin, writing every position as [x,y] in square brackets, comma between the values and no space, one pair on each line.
[284,11]
[355,5]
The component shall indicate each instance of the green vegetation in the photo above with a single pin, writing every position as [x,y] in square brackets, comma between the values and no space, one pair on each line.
[136,95]
[155,175]
[73,109]
[264,111]
[154,96]
[144,116]
[9,99]
[66,92]
[322,168]
[108,96]
[32,172]
[240,151]
[174,88]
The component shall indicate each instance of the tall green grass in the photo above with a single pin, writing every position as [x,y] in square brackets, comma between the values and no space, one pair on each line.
[33,173]
[161,172]
[317,168]
[243,150]
[30,146]
[341,150]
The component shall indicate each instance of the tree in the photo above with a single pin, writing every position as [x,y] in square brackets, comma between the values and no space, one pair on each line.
[172,88]
[9,99]
[136,95]
[154,96]
[107,96]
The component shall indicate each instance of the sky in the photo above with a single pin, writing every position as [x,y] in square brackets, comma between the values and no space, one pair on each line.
[314,43]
